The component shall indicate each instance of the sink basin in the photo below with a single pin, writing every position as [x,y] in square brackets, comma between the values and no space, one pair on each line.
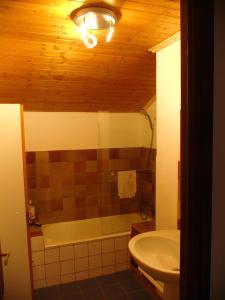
[158,254]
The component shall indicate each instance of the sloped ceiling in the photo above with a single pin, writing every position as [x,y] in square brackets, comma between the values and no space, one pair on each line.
[45,65]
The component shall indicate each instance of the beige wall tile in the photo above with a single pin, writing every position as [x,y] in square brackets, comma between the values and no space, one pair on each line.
[39,272]
[42,156]
[108,270]
[94,248]
[67,267]
[51,255]
[38,284]
[95,261]
[121,267]
[67,278]
[81,250]
[121,243]
[38,258]
[66,252]
[121,256]
[95,272]
[81,275]
[81,264]
[50,281]
[108,245]
[52,270]
[108,259]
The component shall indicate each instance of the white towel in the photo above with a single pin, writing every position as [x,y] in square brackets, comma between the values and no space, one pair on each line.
[127,184]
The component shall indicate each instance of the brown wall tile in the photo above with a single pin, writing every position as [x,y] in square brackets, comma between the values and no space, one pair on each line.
[91,178]
[115,208]
[114,153]
[105,211]
[114,188]
[104,201]
[81,213]
[80,190]
[43,206]
[92,190]
[56,204]
[103,165]
[30,158]
[80,166]
[68,204]
[105,190]
[39,194]
[79,178]
[92,212]
[92,201]
[67,155]
[112,177]
[103,154]
[114,165]
[135,164]
[91,154]
[79,155]
[31,182]
[128,153]
[43,182]
[91,166]
[103,177]
[77,184]
[42,169]
[50,205]
[31,171]
[42,156]
[80,202]
[54,156]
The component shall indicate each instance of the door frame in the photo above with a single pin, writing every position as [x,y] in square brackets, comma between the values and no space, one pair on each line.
[197,43]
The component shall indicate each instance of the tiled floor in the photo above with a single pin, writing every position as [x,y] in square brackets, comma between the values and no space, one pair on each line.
[118,286]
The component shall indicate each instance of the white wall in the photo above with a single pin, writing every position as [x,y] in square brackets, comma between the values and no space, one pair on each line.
[218,205]
[168,100]
[59,130]
[83,130]
[120,130]
[13,230]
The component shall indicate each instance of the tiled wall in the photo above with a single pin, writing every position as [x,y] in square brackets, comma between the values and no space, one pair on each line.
[77,184]
[73,262]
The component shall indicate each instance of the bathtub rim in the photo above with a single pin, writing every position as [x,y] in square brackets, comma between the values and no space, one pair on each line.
[80,241]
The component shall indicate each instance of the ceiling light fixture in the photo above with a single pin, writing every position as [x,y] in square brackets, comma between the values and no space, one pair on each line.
[94,18]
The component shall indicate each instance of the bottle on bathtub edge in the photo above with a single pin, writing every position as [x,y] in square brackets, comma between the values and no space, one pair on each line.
[31,212]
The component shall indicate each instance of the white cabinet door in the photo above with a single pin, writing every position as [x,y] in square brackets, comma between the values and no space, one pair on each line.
[13,232]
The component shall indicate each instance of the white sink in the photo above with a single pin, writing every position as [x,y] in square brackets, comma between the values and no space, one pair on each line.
[158,254]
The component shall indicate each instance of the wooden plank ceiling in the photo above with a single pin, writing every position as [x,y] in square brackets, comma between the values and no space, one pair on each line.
[45,65]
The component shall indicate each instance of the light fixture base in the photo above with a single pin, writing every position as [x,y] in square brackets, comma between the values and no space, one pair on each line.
[104,18]
[92,17]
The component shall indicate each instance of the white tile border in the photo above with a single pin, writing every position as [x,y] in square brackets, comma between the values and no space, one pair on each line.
[102,256]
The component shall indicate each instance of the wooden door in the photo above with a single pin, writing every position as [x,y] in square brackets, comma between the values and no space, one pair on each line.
[197,46]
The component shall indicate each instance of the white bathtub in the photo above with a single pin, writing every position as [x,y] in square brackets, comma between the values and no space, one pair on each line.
[81,249]
[65,233]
